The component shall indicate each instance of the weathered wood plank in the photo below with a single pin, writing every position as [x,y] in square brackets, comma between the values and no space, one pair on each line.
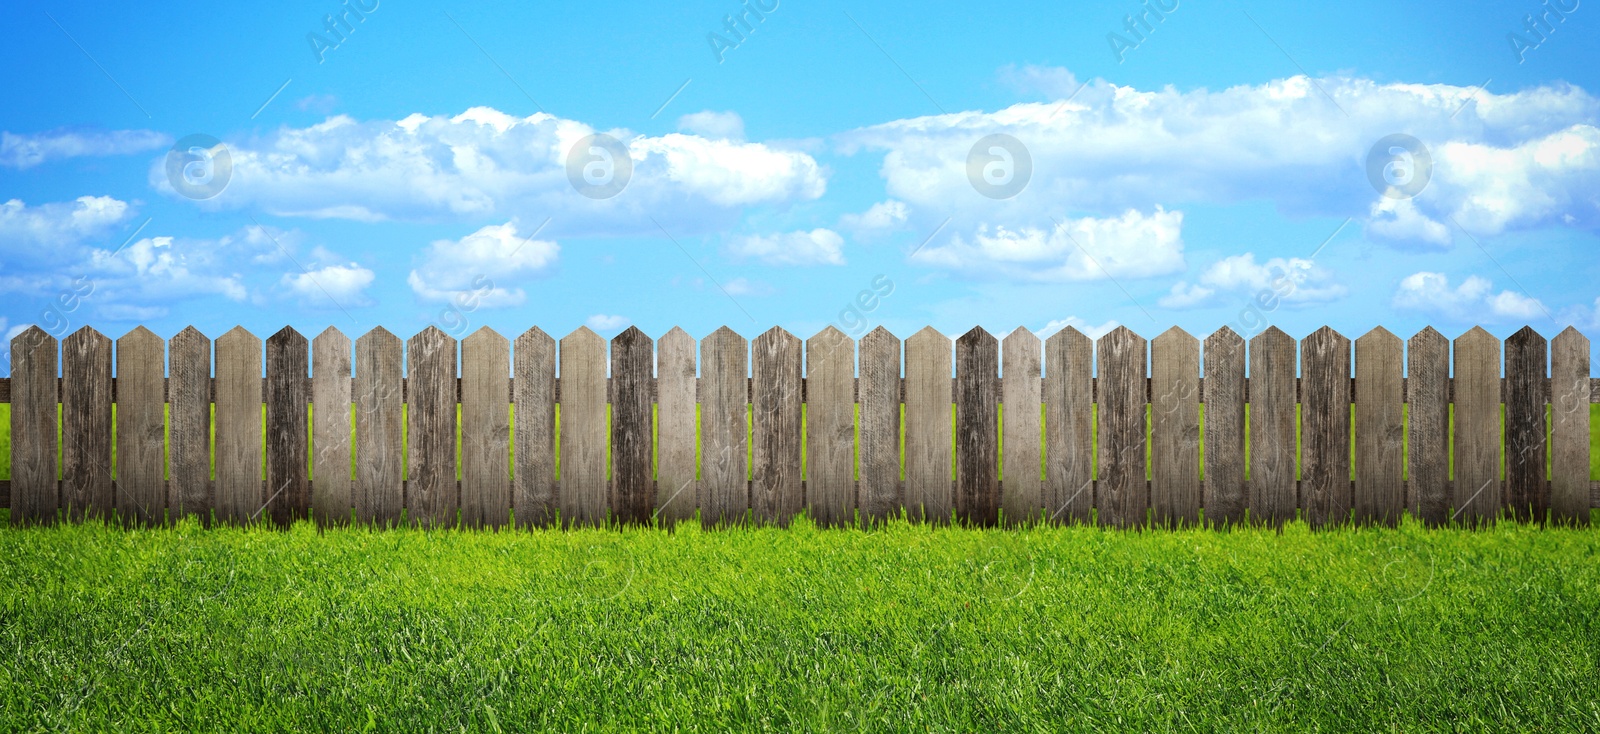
[239,494]
[1021,393]
[35,495]
[1225,497]
[977,496]
[1477,497]
[189,416]
[1325,488]
[141,482]
[1380,428]
[431,492]
[880,426]
[830,428]
[86,486]
[533,501]
[724,363]
[775,491]
[485,430]
[1175,428]
[1526,393]
[1068,392]
[288,487]
[330,428]
[380,456]
[1123,492]
[1272,420]
[1428,429]
[929,492]
[632,362]
[1569,430]
[677,493]
[584,496]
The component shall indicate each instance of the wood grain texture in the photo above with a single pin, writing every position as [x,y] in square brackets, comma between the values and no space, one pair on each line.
[1068,393]
[929,492]
[1021,390]
[633,358]
[1526,393]
[288,487]
[485,430]
[830,428]
[35,494]
[189,431]
[1477,495]
[724,491]
[1175,429]
[1569,429]
[533,485]
[880,426]
[677,490]
[141,464]
[380,455]
[1225,497]
[1325,489]
[86,486]
[1380,429]
[238,415]
[1428,427]
[776,495]
[431,488]
[1123,495]
[584,497]
[330,428]
[977,496]
[1271,418]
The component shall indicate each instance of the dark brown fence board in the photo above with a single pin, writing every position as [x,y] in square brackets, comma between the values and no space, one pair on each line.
[1122,496]
[380,459]
[1175,428]
[724,363]
[431,499]
[1021,390]
[676,487]
[1428,429]
[1272,422]
[486,430]
[880,425]
[141,484]
[86,486]
[1380,428]
[288,487]
[1526,394]
[1068,393]
[1325,432]
[189,417]
[1224,399]
[977,432]
[775,491]
[35,493]
[1569,429]
[1477,428]
[632,362]
[929,492]
[330,428]
[533,490]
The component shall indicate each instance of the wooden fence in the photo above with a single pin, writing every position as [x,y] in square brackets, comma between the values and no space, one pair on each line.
[760,432]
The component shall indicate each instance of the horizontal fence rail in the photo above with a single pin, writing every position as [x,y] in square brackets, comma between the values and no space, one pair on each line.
[487,432]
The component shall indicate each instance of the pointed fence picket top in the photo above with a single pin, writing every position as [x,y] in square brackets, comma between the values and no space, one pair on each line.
[86,482]
[1021,389]
[1569,427]
[380,460]
[1477,494]
[1428,430]
[676,490]
[1123,493]
[977,497]
[1068,394]
[533,476]
[830,428]
[1175,428]
[141,466]
[330,428]
[775,489]
[1225,498]
[239,496]
[632,362]
[584,497]
[1527,391]
[1272,423]
[879,495]
[189,433]
[34,492]
[1325,490]
[485,430]
[1379,427]
[929,488]
[288,487]
[724,364]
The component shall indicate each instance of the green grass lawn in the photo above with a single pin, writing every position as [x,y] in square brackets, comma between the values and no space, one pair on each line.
[903,628]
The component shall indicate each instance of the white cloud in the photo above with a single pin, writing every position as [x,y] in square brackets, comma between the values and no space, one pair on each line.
[29,150]
[714,125]
[603,322]
[482,263]
[884,215]
[1089,330]
[742,286]
[1134,245]
[1399,221]
[54,230]
[1473,300]
[344,285]
[817,247]
[1289,280]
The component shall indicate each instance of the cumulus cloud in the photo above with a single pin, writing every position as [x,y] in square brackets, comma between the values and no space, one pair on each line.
[484,163]
[29,150]
[1473,300]
[880,217]
[604,322]
[817,247]
[484,264]
[1133,245]
[1397,220]
[331,285]
[51,230]
[1290,280]
[714,125]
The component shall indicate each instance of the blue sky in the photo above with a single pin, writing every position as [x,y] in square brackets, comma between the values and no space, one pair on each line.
[1189,164]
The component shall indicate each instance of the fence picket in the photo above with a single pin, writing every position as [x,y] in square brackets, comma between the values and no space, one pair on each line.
[431,499]
[1569,430]
[1428,429]
[1022,497]
[584,497]
[1123,497]
[141,484]
[380,458]
[533,493]
[830,427]
[86,486]
[1068,390]
[677,492]
[288,488]
[1325,433]
[1526,392]
[880,425]
[1271,421]
[1380,428]
[330,428]
[724,364]
[189,411]
[775,490]
[485,430]
[977,431]
[632,360]
[929,457]
[1175,428]
[1477,496]
[1225,495]
[238,386]
[35,493]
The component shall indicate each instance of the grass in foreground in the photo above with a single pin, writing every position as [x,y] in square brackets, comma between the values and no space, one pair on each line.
[904,628]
